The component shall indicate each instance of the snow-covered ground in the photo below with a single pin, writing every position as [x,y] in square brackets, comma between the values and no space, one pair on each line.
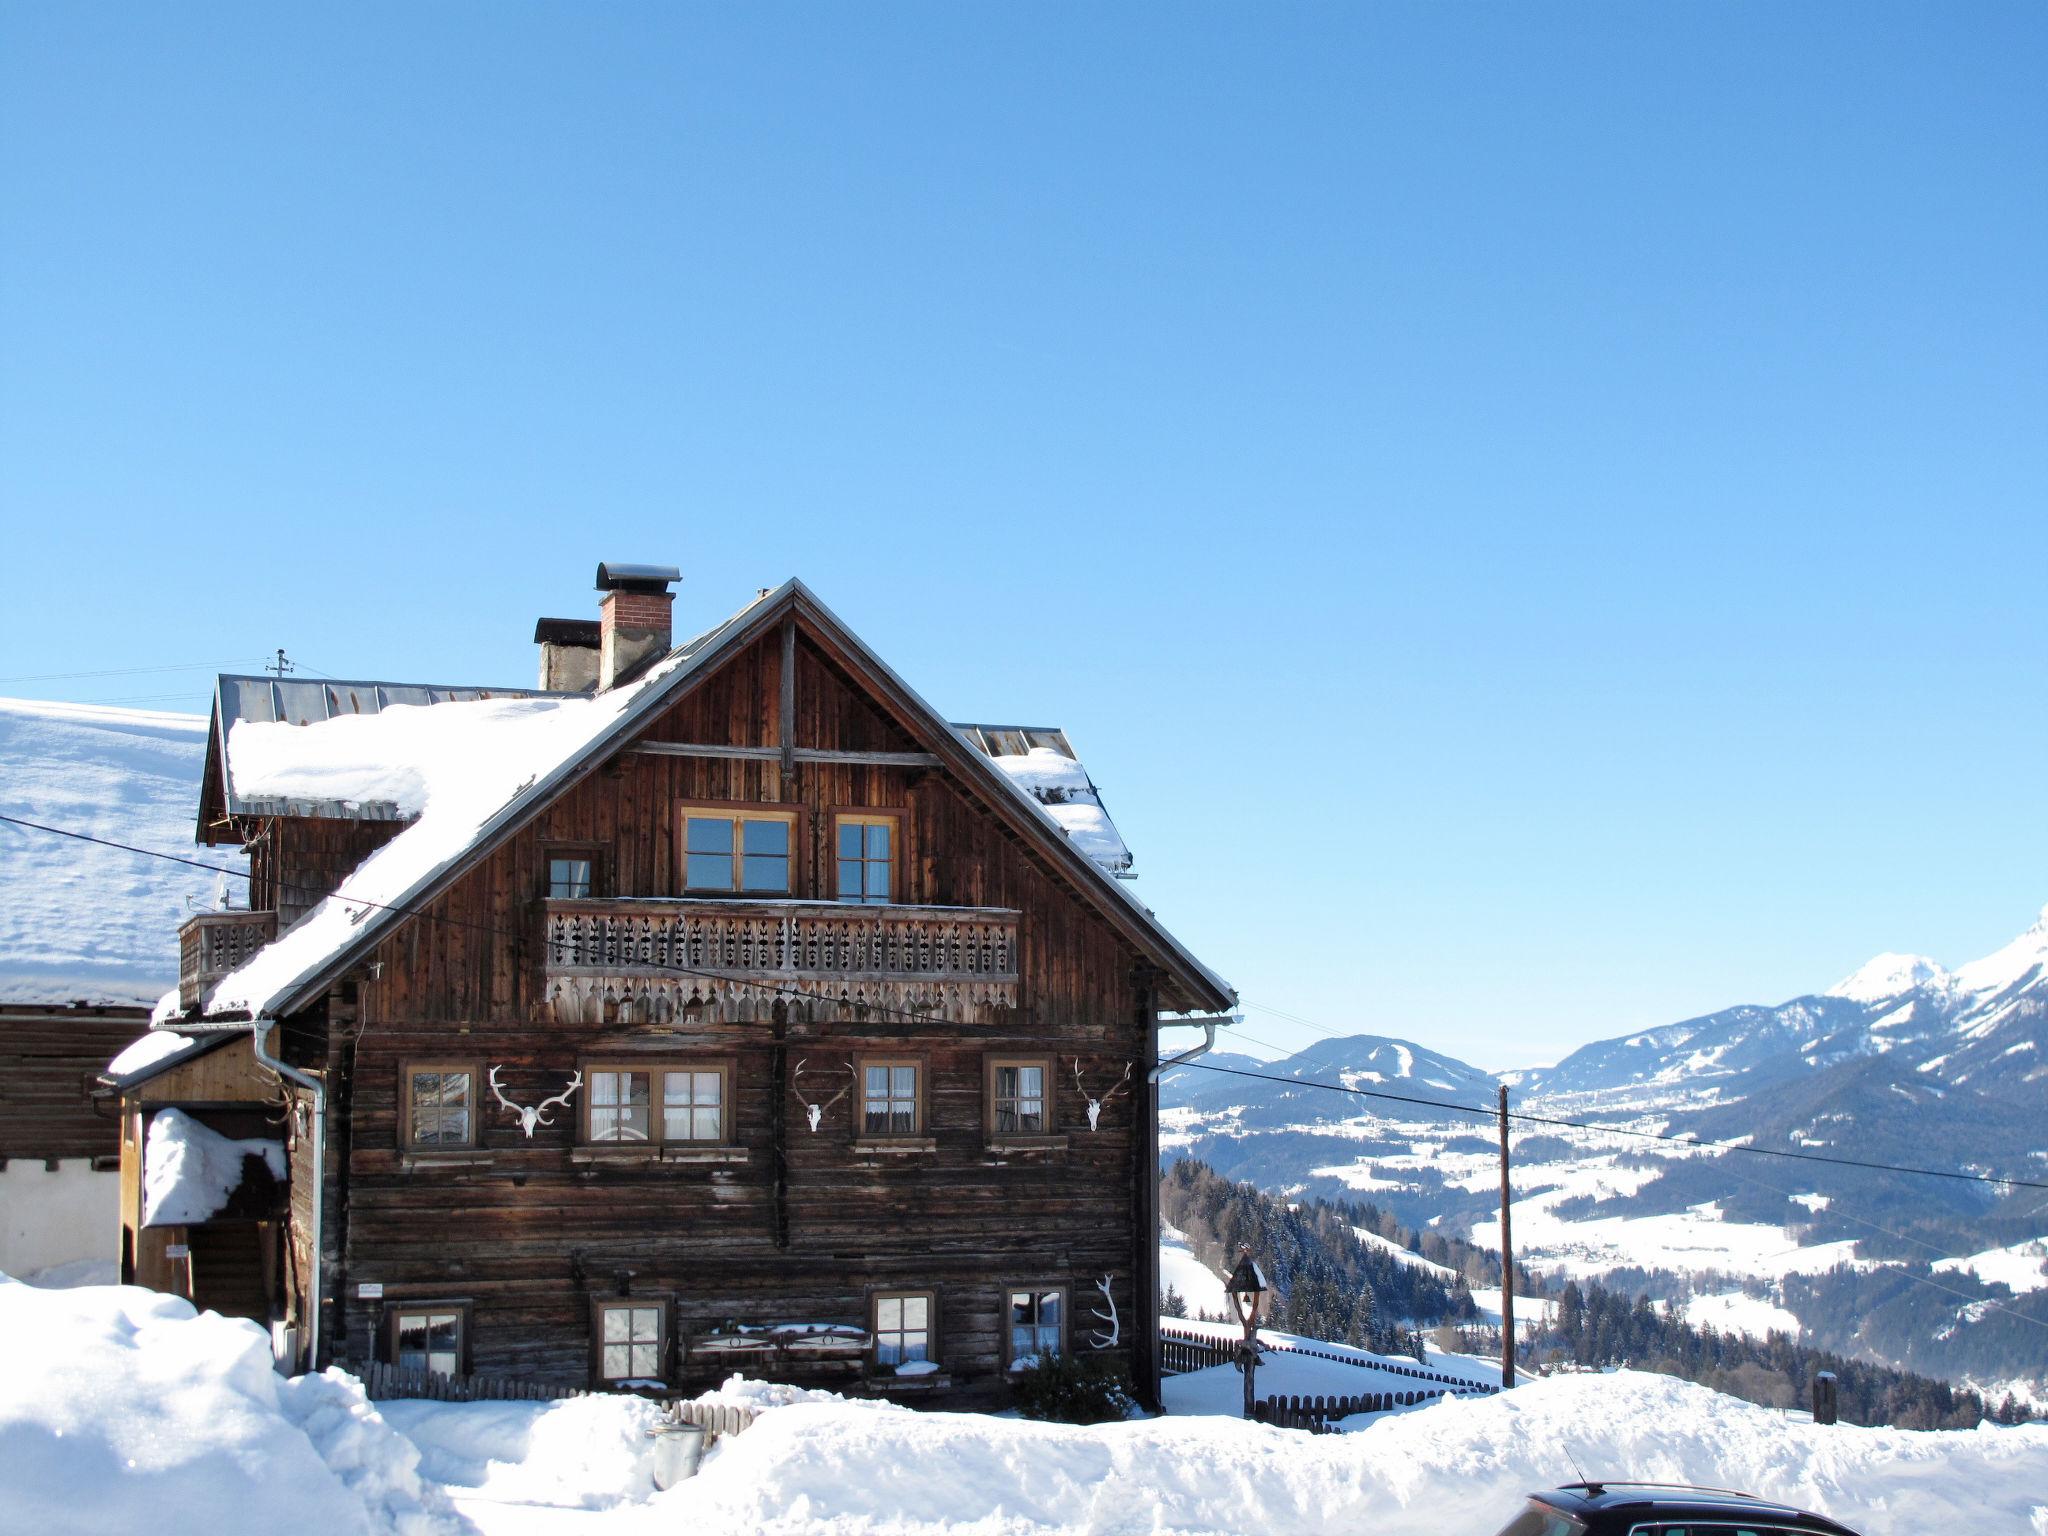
[120,1410]
[2021,1268]
[1199,1286]
[82,920]
[1739,1312]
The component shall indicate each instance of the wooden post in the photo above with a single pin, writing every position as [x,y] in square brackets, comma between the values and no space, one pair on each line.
[1507,1256]
[787,713]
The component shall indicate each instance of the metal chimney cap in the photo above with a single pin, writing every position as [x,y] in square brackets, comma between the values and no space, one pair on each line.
[579,632]
[616,576]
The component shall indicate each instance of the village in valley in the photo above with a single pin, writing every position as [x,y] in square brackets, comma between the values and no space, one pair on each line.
[940,1002]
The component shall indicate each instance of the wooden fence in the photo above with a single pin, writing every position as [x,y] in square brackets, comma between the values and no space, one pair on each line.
[385,1382]
[1180,1351]
[1318,1415]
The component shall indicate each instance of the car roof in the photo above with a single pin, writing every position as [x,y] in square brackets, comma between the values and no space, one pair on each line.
[1676,1501]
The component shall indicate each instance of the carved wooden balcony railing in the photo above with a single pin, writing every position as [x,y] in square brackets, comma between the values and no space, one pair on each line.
[211,944]
[649,960]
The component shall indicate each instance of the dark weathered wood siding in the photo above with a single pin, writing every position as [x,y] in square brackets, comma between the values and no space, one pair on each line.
[49,1061]
[800,1225]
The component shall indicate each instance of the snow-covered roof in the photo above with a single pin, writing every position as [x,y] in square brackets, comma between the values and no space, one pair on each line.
[191,1172]
[1059,783]
[79,921]
[472,771]
[356,775]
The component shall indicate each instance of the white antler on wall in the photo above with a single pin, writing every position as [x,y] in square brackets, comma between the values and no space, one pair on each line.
[538,1114]
[1109,1317]
[1095,1104]
[816,1112]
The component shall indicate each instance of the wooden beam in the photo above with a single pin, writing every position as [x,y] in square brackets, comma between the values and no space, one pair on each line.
[798,754]
[788,732]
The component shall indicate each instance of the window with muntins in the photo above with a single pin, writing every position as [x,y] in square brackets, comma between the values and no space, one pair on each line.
[1018,1098]
[889,1098]
[630,1341]
[428,1340]
[866,859]
[672,1104]
[744,853]
[440,1106]
[902,1327]
[569,877]
[1037,1323]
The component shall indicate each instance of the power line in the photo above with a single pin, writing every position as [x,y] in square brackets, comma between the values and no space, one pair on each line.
[1618,1130]
[191,666]
[910,1015]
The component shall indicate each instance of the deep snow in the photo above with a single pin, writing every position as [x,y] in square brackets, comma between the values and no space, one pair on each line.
[122,1411]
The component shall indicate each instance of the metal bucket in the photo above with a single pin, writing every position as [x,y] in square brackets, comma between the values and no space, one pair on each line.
[677,1450]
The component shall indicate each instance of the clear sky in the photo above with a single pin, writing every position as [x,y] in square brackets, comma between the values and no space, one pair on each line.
[1535,515]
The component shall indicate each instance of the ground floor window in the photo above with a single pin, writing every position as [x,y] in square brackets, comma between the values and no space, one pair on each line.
[427,1339]
[1037,1323]
[630,1340]
[902,1326]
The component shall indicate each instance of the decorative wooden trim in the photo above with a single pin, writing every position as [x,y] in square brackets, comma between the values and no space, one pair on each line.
[917,1140]
[1045,1064]
[896,819]
[934,1341]
[397,1306]
[1039,1287]
[796,817]
[658,1141]
[406,1070]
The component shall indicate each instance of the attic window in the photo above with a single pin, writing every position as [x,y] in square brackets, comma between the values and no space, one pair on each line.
[569,878]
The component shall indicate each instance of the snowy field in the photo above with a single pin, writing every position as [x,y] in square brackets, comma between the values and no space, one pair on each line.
[121,1411]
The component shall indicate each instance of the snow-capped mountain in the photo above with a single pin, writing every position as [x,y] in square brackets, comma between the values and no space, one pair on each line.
[1902,1061]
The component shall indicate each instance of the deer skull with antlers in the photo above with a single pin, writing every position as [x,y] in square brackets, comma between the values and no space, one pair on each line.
[538,1114]
[816,1112]
[1095,1104]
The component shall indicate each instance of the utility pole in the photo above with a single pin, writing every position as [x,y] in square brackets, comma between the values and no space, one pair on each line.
[1507,1257]
[282,665]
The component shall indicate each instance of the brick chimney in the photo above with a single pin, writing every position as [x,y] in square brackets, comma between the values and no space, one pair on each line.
[568,654]
[633,619]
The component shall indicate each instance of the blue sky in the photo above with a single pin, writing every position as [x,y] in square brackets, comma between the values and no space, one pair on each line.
[1533,514]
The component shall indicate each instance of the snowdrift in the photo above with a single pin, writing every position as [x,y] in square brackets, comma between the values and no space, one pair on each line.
[1441,1470]
[124,1410]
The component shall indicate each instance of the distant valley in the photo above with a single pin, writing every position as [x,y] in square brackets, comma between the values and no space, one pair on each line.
[1902,1062]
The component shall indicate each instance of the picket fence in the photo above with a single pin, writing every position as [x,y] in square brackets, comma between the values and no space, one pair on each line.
[383,1383]
[1180,1352]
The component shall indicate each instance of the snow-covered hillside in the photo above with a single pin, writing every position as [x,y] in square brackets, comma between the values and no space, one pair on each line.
[81,921]
[1902,1061]
[122,1411]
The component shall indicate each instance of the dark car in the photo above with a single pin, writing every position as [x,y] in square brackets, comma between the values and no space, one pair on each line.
[1661,1509]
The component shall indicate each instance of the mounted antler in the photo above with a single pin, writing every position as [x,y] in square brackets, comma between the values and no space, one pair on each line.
[538,1114]
[1109,1317]
[816,1112]
[1121,1085]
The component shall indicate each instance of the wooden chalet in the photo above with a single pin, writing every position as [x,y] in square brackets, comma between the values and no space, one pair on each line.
[717,1007]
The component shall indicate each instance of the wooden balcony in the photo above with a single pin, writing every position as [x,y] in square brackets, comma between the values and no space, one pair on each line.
[211,944]
[651,960]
